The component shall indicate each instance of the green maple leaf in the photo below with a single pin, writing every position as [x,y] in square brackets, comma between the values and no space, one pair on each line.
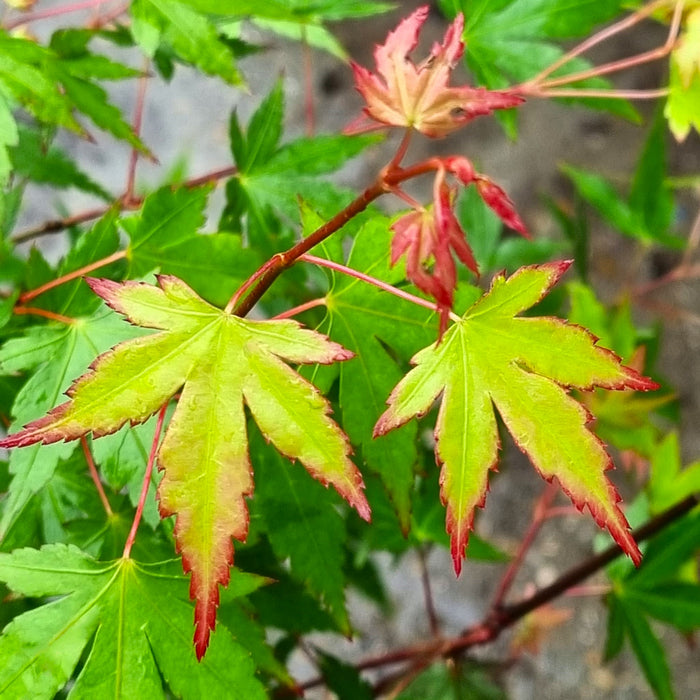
[368,321]
[51,85]
[164,237]
[131,617]
[522,366]
[218,362]
[272,177]
[184,31]
[304,528]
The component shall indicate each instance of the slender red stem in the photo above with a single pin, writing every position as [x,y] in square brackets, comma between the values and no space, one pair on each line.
[611,94]
[430,610]
[539,515]
[34,311]
[598,38]
[401,150]
[136,127]
[95,476]
[33,293]
[289,313]
[146,483]
[612,67]
[53,12]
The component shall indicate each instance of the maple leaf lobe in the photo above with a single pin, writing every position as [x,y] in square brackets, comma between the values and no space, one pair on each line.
[219,362]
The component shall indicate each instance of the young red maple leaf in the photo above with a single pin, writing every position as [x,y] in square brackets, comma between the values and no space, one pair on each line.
[404,94]
[427,237]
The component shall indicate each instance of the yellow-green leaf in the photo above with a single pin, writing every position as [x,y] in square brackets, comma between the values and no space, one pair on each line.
[523,367]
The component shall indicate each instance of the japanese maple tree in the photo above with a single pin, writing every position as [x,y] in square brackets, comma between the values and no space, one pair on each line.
[191,389]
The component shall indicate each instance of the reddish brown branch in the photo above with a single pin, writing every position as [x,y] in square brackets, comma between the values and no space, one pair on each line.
[58,225]
[539,516]
[504,616]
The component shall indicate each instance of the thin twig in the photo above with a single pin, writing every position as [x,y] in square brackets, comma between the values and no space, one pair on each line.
[624,63]
[596,39]
[136,128]
[539,515]
[58,225]
[615,94]
[81,272]
[308,84]
[95,476]
[53,12]
[428,594]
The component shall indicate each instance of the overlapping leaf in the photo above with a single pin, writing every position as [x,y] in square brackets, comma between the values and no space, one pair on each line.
[303,527]
[218,361]
[272,177]
[130,616]
[52,86]
[33,159]
[164,237]
[185,32]
[492,358]
[682,109]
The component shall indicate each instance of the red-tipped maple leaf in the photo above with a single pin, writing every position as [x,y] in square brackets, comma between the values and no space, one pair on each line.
[218,362]
[523,367]
[419,97]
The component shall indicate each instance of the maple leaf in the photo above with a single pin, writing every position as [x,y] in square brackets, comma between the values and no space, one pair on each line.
[427,235]
[523,367]
[123,619]
[419,96]
[218,361]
